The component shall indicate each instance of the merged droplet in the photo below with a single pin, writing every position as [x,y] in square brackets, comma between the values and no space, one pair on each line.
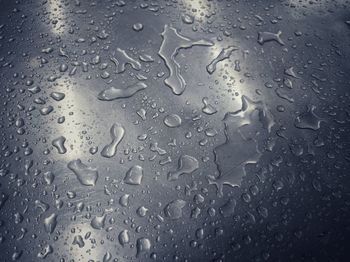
[121,59]
[49,177]
[173,210]
[155,148]
[124,200]
[86,175]
[134,175]
[50,223]
[142,245]
[264,37]
[186,165]
[224,54]
[240,149]
[208,108]
[290,72]
[228,208]
[142,211]
[124,237]
[117,133]
[245,115]
[308,119]
[79,241]
[172,43]
[283,93]
[41,205]
[58,143]
[113,93]
[98,222]
[48,249]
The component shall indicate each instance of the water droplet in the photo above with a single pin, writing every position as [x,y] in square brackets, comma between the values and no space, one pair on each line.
[49,177]
[142,211]
[186,165]
[98,222]
[238,150]
[137,27]
[173,210]
[113,93]
[172,120]
[172,43]
[121,59]
[124,200]
[46,110]
[228,208]
[57,96]
[187,19]
[45,252]
[124,237]
[155,148]
[79,241]
[134,175]
[142,245]
[86,175]
[283,93]
[208,108]
[63,68]
[17,255]
[262,211]
[224,54]
[146,58]
[107,257]
[264,37]
[117,133]
[308,119]
[142,113]
[50,223]
[58,143]
[40,204]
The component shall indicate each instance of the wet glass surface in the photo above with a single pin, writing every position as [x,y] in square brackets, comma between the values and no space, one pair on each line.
[179,130]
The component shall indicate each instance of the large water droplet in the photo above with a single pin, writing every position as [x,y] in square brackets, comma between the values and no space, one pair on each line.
[240,149]
[173,210]
[142,245]
[57,96]
[308,119]
[117,133]
[208,108]
[113,93]
[86,175]
[134,175]
[228,208]
[58,143]
[121,59]
[45,252]
[50,223]
[98,222]
[172,43]
[224,54]
[186,165]
[124,237]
